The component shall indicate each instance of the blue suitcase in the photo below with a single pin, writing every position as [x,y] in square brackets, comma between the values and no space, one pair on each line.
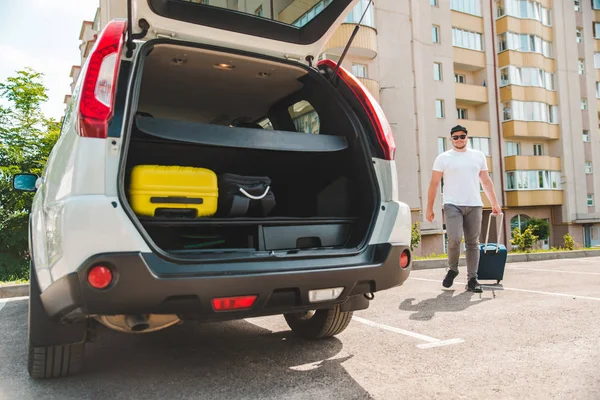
[492,256]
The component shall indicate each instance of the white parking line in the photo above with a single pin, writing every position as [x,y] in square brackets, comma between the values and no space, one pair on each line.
[431,342]
[2,305]
[574,296]
[554,270]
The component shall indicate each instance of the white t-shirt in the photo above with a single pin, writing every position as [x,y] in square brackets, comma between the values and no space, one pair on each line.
[461,176]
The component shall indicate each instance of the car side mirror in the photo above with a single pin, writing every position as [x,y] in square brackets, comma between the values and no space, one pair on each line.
[25,182]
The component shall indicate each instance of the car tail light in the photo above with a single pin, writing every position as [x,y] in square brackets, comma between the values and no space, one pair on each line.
[404,259]
[99,83]
[233,303]
[383,130]
[99,277]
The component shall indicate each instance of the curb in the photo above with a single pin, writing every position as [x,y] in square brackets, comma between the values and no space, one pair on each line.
[14,290]
[511,258]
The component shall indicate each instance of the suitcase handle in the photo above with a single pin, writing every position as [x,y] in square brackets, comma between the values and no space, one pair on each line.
[487,235]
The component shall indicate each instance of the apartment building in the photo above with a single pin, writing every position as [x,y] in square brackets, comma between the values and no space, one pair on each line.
[522,75]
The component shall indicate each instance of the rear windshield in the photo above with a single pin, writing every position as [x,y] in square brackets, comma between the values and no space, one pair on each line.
[292,12]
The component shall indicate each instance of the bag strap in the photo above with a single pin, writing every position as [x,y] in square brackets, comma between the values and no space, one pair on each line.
[487,235]
[255,197]
[239,206]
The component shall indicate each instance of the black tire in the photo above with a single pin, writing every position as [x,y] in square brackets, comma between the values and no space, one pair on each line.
[55,349]
[320,323]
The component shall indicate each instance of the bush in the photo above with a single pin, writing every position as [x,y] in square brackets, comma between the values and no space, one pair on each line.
[569,242]
[539,227]
[524,241]
[415,236]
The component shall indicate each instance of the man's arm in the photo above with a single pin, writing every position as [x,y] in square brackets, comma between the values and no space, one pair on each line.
[488,188]
[436,177]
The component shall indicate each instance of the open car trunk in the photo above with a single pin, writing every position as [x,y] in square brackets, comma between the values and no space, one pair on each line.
[235,114]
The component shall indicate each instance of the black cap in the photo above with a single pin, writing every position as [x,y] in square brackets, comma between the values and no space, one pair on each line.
[458,128]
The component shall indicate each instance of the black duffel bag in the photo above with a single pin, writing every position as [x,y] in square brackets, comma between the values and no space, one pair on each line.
[245,196]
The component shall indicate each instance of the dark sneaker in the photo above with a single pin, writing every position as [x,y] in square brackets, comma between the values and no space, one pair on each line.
[474,286]
[449,279]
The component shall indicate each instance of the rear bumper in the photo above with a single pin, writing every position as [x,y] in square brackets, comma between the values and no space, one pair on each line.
[145,283]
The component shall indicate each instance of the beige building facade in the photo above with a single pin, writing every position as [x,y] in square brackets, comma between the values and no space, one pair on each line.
[522,75]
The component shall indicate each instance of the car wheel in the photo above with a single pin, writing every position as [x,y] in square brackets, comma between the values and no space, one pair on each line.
[319,324]
[55,349]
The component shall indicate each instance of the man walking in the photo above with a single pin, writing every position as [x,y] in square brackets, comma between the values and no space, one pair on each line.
[462,169]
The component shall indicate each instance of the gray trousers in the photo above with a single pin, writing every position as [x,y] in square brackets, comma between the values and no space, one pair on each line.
[461,219]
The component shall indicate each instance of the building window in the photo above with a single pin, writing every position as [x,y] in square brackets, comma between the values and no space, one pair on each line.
[596,4]
[518,221]
[598,90]
[433,3]
[439,108]
[460,78]
[538,150]
[461,113]
[466,6]
[577,5]
[586,136]
[524,9]
[479,143]
[590,200]
[437,71]
[530,111]
[513,148]
[467,40]
[584,104]
[588,167]
[359,70]
[435,34]
[581,67]
[441,145]
[304,117]
[597,30]
[526,76]
[579,35]
[596,60]
[524,42]
[533,180]
[356,13]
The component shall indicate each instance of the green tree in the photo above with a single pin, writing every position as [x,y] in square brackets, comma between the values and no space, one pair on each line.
[539,227]
[26,139]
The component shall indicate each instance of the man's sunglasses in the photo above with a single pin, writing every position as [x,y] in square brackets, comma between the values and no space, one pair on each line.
[456,137]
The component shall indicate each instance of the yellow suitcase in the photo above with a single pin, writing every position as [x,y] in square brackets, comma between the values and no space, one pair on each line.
[189,191]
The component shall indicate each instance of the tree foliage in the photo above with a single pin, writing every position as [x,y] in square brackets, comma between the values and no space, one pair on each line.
[26,139]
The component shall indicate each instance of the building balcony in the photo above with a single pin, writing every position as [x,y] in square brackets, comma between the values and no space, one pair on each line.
[476,128]
[522,129]
[527,93]
[545,163]
[511,57]
[525,198]
[471,94]
[530,26]
[597,44]
[364,44]
[468,60]
[467,22]
[372,86]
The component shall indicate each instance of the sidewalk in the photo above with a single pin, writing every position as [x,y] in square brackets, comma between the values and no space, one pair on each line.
[511,258]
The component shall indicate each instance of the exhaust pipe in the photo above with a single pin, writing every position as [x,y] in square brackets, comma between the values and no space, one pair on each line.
[137,322]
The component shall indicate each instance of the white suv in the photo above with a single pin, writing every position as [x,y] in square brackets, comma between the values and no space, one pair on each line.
[213,87]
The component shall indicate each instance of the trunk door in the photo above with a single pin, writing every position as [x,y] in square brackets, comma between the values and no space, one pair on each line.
[292,29]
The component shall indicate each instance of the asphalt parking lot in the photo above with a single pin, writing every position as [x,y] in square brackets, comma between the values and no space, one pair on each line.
[537,337]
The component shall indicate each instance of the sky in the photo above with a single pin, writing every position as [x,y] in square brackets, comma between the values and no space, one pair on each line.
[44,35]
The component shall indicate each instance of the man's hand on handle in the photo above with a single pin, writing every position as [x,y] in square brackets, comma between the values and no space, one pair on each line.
[496,210]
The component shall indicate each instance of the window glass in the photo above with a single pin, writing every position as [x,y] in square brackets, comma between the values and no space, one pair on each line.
[305,117]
